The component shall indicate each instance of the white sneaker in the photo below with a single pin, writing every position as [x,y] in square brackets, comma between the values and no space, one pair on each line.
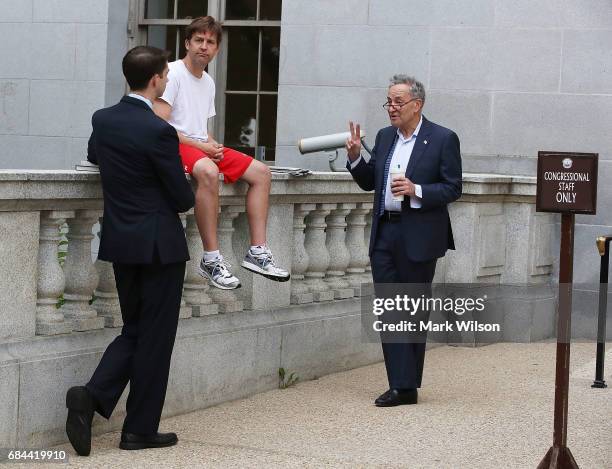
[263,264]
[217,272]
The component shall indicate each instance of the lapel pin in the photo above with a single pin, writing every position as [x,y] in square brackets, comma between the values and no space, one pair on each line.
[425,142]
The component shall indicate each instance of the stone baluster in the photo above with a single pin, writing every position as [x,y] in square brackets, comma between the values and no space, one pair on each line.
[226,299]
[366,236]
[51,281]
[318,257]
[185,310]
[339,255]
[107,298]
[81,275]
[300,293]
[357,246]
[195,290]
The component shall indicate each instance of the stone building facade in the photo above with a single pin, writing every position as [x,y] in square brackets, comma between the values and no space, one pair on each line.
[510,78]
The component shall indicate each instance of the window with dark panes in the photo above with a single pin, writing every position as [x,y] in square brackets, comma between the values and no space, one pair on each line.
[165,20]
[245,71]
[253,46]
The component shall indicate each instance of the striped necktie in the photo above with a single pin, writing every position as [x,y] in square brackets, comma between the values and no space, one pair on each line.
[381,204]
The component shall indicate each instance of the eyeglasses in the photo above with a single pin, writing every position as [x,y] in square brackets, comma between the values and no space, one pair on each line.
[389,105]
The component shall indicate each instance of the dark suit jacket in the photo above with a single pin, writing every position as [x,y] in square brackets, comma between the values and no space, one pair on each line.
[436,166]
[143,182]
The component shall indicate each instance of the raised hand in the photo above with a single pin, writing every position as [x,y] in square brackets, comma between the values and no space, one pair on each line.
[353,143]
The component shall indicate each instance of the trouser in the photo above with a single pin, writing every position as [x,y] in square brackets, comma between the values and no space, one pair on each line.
[150,297]
[403,360]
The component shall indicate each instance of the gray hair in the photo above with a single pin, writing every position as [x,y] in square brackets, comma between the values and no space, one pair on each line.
[417,90]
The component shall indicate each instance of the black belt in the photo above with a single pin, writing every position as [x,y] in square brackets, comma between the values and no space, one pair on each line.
[391,217]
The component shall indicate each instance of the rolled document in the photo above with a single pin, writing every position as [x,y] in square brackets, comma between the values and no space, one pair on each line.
[324,142]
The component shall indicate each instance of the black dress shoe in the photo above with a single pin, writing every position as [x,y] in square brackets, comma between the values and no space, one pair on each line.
[395,397]
[81,407]
[131,441]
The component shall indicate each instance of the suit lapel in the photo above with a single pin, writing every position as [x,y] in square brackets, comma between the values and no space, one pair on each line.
[419,147]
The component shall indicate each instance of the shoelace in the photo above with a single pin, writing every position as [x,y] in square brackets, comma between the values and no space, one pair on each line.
[266,257]
[222,267]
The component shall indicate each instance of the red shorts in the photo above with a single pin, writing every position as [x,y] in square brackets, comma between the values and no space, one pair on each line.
[232,166]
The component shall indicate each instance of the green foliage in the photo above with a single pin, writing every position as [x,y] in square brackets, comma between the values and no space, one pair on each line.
[62,250]
[286,380]
[63,244]
[61,253]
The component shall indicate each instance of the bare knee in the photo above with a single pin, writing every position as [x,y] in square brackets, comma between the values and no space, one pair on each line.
[206,173]
[267,174]
[261,173]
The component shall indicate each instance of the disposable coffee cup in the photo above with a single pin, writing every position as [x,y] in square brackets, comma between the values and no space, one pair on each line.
[397,173]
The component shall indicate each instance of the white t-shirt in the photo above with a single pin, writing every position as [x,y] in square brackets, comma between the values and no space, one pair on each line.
[192,100]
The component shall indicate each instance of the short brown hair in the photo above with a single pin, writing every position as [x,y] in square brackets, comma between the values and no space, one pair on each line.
[204,24]
[141,63]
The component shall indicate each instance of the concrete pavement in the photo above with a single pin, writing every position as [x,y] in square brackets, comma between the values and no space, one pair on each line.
[487,407]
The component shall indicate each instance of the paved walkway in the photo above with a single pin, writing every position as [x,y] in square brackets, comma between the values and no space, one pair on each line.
[488,407]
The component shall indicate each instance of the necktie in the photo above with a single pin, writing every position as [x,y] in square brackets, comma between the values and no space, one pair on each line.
[381,202]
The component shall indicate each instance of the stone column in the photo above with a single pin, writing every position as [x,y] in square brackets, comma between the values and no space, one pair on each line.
[51,281]
[195,290]
[357,246]
[81,275]
[185,310]
[300,293]
[107,299]
[366,236]
[226,299]
[318,257]
[339,255]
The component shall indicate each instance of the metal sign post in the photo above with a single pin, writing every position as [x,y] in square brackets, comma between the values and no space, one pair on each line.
[603,245]
[566,184]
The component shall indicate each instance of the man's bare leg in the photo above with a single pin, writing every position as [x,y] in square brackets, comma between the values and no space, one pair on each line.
[206,209]
[206,173]
[259,257]
[259,178]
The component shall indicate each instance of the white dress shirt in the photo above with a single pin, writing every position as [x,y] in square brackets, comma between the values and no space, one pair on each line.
[401,157]
[142,98]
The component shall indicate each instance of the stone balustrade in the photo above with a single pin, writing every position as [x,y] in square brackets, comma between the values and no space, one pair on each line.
[230,344]
[318,228]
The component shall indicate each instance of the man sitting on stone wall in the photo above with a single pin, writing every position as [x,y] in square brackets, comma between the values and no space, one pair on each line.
[187,104]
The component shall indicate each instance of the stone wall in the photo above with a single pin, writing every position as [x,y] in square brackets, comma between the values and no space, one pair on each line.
[60,61]
[231,344]
[511,78]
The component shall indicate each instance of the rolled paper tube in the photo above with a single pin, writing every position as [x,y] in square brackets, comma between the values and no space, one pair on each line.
[324,142]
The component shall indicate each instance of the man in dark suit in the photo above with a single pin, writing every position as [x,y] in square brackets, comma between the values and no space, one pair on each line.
[144,189]
[409,235]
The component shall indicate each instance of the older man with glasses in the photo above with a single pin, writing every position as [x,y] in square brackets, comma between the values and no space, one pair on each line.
[415,172]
